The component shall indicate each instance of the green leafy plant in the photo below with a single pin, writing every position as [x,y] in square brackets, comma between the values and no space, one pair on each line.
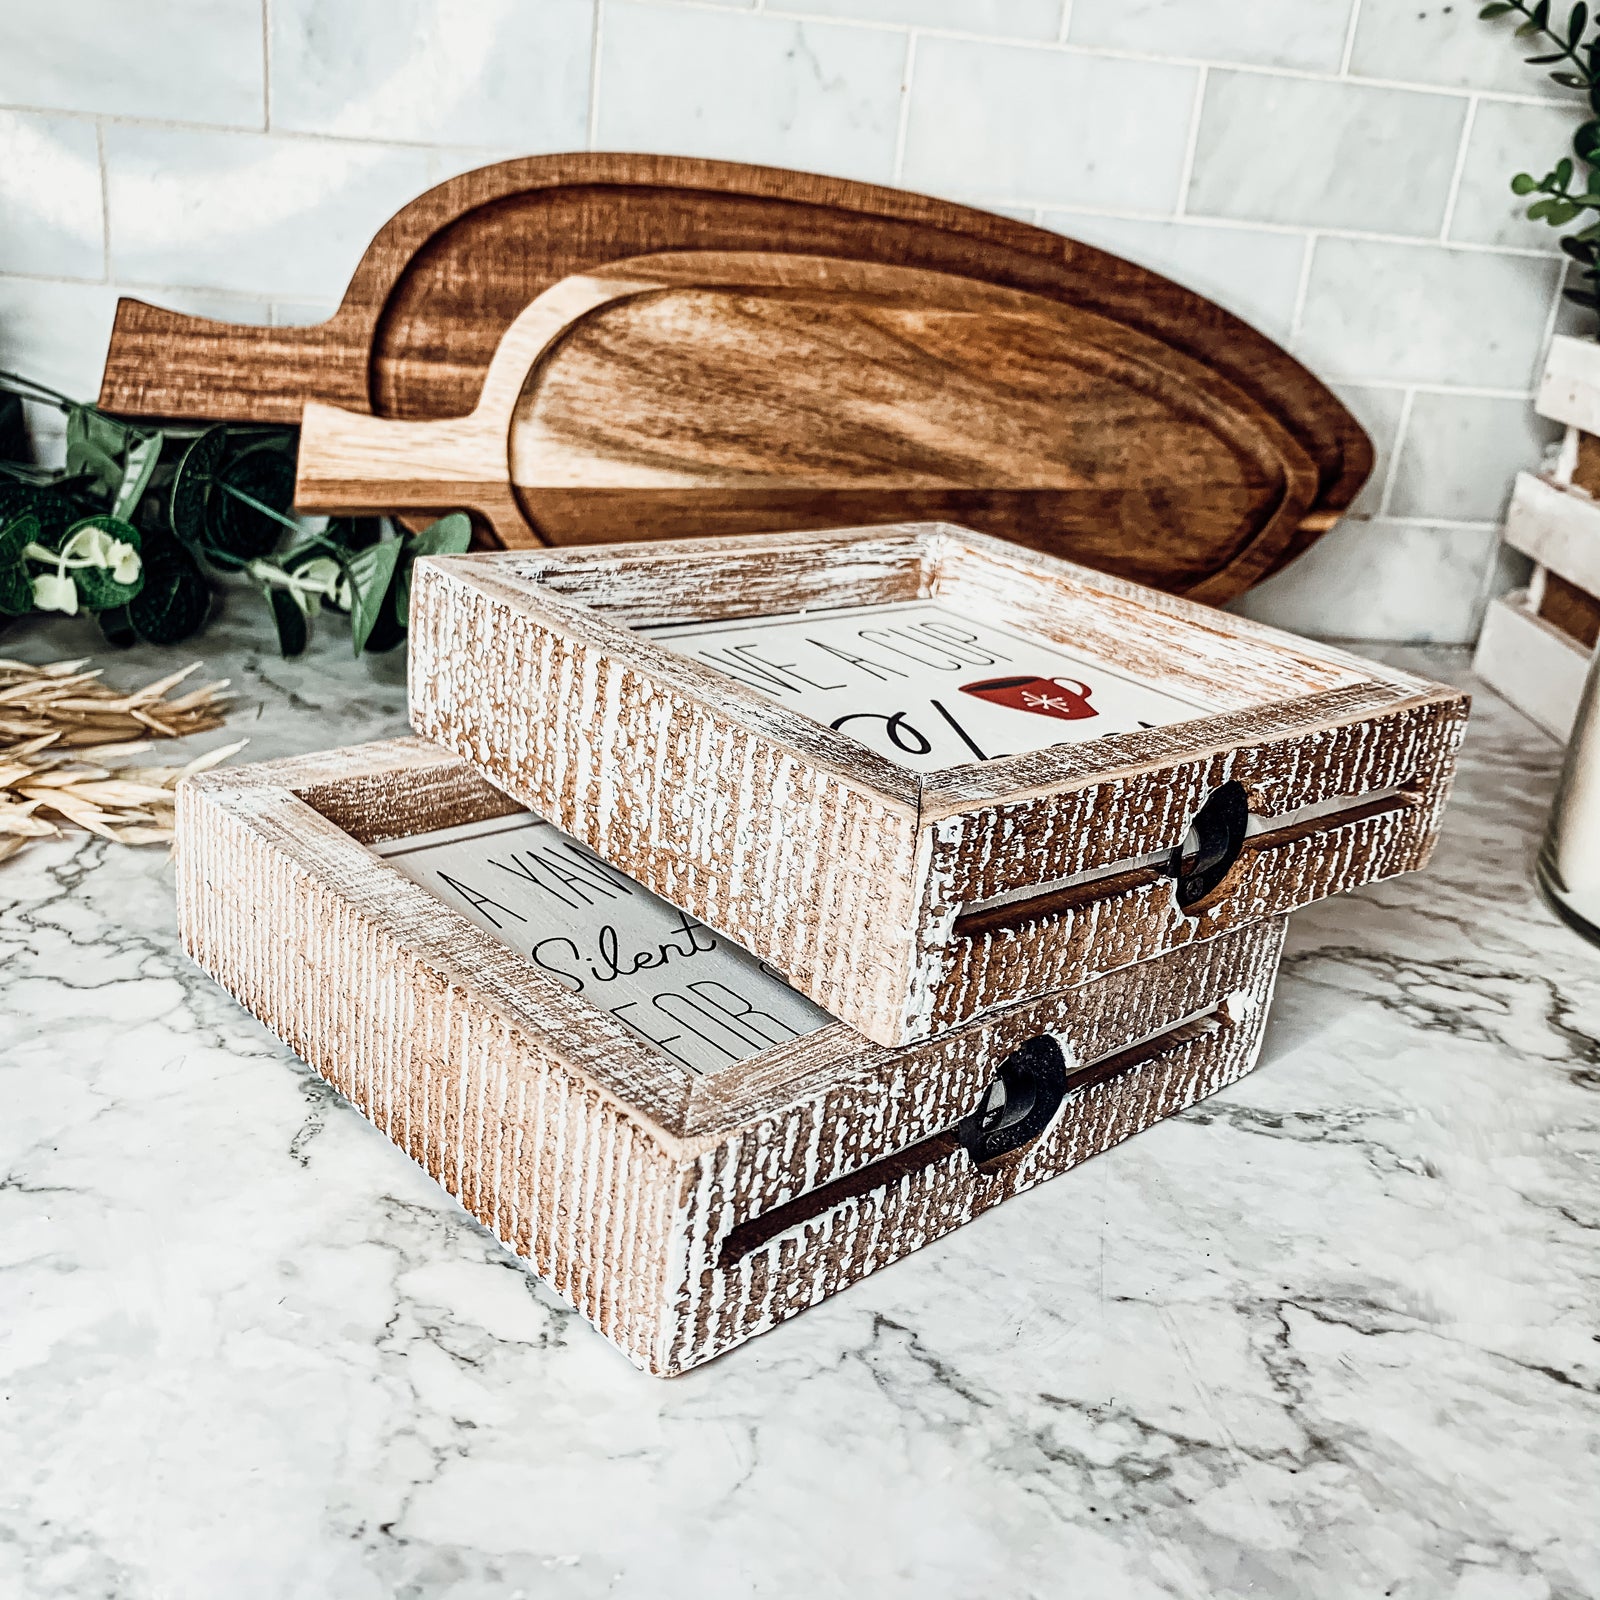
[141,523]
[1559,199]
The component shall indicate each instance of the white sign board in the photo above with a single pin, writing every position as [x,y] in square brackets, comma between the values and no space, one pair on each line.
[690,992]
[927,687]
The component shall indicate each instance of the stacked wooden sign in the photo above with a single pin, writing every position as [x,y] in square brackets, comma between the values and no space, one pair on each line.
[1536,642]
[754,910]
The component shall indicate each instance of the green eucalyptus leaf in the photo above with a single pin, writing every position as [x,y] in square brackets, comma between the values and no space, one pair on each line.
[1496,8]
[1582,297]
[194,485]
[1539,210]
[137,471]
[1545,61]
[55,509]
[1569,80]
[175,599]
[16,585]
[290,619]
[248,515]
[1563,172]
[371,573]
[449,536]
[1577,21]
[1524,183]
[1561,213]
[96,445]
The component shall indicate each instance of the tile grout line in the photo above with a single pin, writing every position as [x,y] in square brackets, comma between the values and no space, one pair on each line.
[592,132]
[1401,428]
[266,66]
[1454,191]
[1301,289]
[105,203]
[903,122]
[1111,52]
[1349,39]
[1186,172]
[1066,22]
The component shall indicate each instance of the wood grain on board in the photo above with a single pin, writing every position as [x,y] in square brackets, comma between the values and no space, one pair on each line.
[712,794]
[703,393]
[661,1205]
[446,277]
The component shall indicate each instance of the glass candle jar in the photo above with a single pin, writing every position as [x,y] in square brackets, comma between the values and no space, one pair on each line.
[1569,860]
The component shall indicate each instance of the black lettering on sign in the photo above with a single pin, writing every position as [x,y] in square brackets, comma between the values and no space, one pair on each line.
[740,659]
[881,670]
[552,875]
[959,641]
[569,980]
[480,902]
[689,938]
[644,1033]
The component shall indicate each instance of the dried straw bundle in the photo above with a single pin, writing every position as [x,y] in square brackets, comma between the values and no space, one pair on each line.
[48,715]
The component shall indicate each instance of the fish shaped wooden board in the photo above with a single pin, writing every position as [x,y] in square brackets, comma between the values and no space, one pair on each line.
[699,393]
[433,297]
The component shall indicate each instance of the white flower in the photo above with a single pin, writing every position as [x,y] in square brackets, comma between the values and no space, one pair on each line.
[94,547]
[53,592]
[124,562]
[325,576]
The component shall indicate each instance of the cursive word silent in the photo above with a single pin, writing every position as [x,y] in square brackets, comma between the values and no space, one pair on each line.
[563,957]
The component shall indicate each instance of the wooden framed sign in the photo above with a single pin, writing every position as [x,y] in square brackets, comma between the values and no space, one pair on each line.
[922,773]
[686,1149]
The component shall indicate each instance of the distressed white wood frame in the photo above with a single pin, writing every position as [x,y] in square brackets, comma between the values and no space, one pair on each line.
[680,1214]
[905,903]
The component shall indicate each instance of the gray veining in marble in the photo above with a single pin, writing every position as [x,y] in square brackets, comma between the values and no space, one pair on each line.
[1331,1334]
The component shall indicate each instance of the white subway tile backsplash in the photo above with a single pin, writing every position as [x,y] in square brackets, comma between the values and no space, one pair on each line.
[1424,314]
[1007,123]
[1021,19]
[1442,41]
[1507,138]
[1286,192]
[474,72]
[51,218]
[1255,274]
[1379,412]
[1324,154]
[1308,34]
[57,332]
[1460,453]
[179,60]
[247,212]
[813,95]
[1381,580]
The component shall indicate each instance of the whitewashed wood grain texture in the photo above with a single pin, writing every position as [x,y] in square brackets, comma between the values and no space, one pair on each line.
[1559,528]
[1531,663]
[851,874]
[617,1173]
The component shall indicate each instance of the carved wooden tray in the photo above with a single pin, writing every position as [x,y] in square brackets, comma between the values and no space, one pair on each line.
[703,393]
[443,281]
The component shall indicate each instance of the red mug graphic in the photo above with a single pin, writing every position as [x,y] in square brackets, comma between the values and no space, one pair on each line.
[1047,697]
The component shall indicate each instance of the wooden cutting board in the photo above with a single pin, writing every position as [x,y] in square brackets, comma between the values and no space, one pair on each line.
[446,277]
[705,392]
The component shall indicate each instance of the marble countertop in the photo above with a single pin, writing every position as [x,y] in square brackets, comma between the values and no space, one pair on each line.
[1332,1333]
